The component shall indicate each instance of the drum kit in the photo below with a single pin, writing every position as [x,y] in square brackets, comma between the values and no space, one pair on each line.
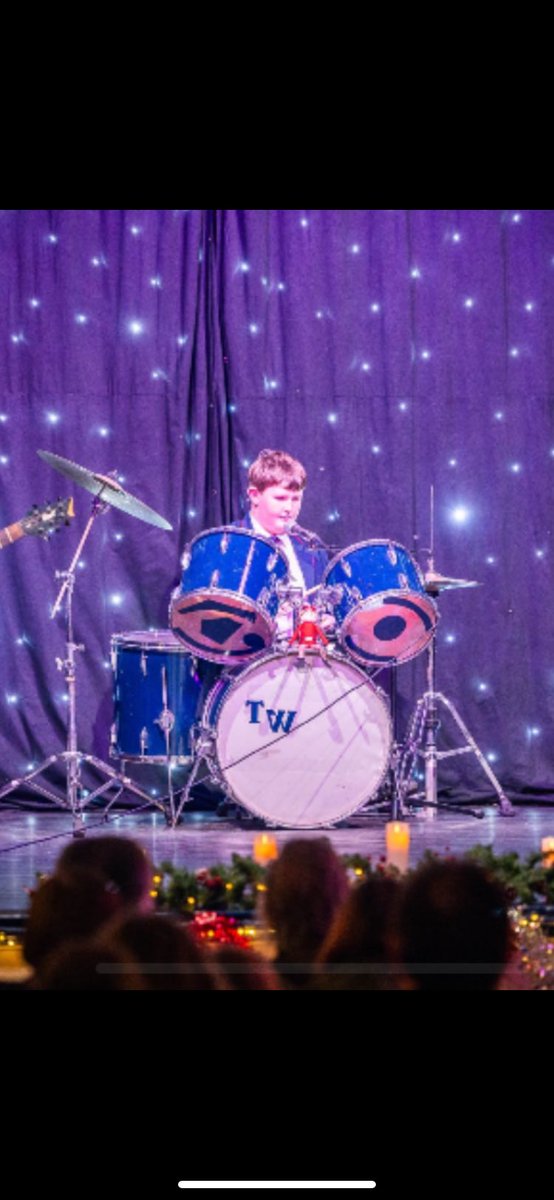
[296,740]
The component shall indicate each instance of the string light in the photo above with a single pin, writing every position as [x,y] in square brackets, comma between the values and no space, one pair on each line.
[460,515]
[135,327]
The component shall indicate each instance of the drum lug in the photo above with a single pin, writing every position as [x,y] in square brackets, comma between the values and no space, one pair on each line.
[402,579]
[143,741]
[391,554]
[224,543]
[143,663]
[166,720]
[215,578]
[346,568]
[185,560]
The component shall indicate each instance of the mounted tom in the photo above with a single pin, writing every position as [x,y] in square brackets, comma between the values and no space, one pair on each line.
[225,608]
[382,610]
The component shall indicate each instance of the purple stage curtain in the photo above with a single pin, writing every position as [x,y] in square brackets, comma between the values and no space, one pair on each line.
[389,350]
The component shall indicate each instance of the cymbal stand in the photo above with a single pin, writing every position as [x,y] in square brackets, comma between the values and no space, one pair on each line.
[421,739]
[421,742]
[76,796]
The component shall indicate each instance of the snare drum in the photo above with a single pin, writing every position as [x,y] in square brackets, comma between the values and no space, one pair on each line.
[226,606]
[299,742]
[156,696]
[382,610]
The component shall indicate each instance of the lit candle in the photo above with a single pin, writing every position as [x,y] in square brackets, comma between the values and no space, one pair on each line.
[547,848]
[397,834]
[265,848]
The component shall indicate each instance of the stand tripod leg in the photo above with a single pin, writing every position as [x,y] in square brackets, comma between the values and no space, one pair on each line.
[506,808]
[184,795]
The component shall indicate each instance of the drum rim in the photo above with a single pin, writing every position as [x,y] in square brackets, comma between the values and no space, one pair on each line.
[179,648]
[226,785]
[226,592]
[251,533]
[181,760]
[372,542]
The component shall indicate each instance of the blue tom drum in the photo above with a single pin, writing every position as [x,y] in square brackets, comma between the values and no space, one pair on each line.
[382,610]
[225,608]
[156,692]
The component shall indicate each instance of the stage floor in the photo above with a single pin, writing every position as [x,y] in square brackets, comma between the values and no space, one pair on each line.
[31,842]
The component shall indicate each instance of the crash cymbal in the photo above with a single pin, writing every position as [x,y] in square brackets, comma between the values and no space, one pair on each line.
[106,488]
[435,583]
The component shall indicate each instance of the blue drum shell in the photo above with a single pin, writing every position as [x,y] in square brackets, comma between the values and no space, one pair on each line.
[217,559]
[138,661]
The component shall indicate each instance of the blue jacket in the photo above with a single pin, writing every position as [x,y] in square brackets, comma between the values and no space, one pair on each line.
[308,547]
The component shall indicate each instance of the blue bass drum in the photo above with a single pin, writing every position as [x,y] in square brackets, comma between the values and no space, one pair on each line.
[383,612]
[156,695]
[226,606]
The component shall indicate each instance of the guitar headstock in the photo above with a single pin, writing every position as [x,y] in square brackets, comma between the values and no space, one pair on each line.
[43,521]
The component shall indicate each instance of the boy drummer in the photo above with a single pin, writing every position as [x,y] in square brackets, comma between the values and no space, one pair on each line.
[276,483]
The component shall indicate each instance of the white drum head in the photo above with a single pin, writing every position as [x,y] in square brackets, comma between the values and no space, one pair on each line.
[303,746]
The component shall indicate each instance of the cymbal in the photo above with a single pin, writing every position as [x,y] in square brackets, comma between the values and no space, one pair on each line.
[106,488]
[435,583]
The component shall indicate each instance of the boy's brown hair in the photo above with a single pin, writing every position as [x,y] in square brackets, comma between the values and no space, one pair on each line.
[273,468]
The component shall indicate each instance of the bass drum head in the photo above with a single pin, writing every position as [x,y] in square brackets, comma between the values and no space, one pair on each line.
[303,744]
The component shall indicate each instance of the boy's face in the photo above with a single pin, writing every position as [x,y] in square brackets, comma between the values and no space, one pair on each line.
[276,508]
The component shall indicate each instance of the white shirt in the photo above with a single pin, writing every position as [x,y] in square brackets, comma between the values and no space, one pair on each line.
[284,619]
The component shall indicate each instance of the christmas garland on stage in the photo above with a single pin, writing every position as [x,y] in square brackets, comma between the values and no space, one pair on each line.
[237,886]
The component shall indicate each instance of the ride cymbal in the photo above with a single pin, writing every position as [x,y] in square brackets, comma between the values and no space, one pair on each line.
[106,488]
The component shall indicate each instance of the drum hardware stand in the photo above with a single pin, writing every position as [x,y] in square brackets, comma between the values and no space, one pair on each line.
[391,793]
[422,733]
[72,758]
[202,752]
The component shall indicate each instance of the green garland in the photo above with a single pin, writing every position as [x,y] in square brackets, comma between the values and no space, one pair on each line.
[237,886]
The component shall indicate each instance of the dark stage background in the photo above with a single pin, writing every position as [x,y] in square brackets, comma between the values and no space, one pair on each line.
[387,349]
